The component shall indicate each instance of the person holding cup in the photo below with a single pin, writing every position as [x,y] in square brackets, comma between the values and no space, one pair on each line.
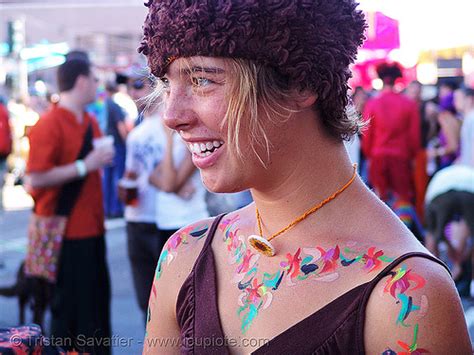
[81,301]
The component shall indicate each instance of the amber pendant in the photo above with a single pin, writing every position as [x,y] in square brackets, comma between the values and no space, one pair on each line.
[261,245]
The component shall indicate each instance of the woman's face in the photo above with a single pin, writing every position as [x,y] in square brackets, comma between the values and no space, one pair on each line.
[195,104]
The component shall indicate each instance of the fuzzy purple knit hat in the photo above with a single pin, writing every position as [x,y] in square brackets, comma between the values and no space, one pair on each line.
[310,43]
[298,38]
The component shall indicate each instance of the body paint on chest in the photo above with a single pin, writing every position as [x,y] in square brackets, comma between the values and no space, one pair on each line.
[317,264]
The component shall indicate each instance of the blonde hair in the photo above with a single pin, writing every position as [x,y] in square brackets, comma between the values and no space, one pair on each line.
[255,100]
[259,95]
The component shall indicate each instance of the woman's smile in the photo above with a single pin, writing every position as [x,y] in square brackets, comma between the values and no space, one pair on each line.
[205,152]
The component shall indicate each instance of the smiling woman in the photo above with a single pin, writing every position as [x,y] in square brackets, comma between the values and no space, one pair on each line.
[258,91]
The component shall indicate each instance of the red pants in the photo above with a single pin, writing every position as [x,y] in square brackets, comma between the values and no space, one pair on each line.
[391,175]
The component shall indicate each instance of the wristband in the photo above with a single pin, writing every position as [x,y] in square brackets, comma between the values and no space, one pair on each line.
[81,167]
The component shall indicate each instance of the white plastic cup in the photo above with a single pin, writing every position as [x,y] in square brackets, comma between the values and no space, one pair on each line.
[105,142]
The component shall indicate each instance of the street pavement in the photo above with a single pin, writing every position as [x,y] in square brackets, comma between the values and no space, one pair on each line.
[127,321]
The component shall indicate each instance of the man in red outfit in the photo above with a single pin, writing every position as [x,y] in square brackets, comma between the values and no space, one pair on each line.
[392,138]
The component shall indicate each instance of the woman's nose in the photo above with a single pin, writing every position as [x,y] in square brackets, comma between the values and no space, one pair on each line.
[178,114]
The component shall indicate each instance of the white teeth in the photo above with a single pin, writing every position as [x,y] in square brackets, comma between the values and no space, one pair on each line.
[203,149]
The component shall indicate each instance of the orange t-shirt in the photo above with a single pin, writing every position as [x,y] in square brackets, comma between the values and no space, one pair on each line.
[56,140]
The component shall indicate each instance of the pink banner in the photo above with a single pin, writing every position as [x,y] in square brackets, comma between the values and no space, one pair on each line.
[382,32]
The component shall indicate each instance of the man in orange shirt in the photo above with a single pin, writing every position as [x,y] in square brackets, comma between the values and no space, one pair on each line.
[81,300]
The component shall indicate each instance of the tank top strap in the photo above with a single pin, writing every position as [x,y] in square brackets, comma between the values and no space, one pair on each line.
[196,306]
[386,271]
[210,235]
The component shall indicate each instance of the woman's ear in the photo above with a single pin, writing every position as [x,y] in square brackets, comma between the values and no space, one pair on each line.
[305,99]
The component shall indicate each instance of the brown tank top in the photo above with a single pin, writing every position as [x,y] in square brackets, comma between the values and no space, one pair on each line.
[337,328]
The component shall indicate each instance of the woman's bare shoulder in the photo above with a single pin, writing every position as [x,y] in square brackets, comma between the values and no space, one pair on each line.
[416,308]
[174,266]
[182,249]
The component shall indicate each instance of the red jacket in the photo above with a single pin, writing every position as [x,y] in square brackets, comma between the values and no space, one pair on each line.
[394,126]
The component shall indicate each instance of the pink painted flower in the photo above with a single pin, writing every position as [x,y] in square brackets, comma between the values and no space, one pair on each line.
[403,280]
[244,265]
[371,259]
[330,259]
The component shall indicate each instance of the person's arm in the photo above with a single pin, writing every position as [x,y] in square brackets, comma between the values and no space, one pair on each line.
[122,129]
[59,175]
[118,119]
[451,129]
[132,169]
[431,243]
[43,169]
[174,266]
[162,329]
[53,177]
[416,309]
[131,163]
[166,176]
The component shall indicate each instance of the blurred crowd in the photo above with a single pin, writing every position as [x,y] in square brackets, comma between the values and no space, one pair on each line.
[416,152]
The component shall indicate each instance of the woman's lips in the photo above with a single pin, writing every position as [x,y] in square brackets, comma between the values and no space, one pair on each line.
[205,154]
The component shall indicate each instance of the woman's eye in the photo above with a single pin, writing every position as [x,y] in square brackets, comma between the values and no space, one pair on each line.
[164,82]
[199,81]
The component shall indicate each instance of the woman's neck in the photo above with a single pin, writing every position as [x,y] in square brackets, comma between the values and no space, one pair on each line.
[305,172]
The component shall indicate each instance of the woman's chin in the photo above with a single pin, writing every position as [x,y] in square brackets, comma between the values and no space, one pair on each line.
[221,184]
